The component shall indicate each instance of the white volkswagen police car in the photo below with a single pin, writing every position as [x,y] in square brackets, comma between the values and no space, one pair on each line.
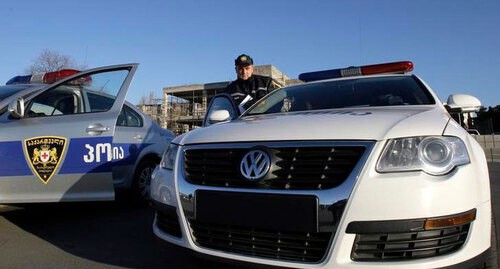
[364,168]
[70,136]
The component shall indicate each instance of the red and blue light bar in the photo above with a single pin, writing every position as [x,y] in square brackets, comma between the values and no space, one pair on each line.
[386,68]
[45,78]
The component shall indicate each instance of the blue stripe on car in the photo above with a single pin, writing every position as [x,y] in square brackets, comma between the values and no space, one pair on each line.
[15,163]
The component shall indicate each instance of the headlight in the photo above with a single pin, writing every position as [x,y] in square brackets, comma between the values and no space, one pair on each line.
[163,188]
[168,158]
[435,155]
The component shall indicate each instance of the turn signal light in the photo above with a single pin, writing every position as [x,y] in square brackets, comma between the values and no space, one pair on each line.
[455,220]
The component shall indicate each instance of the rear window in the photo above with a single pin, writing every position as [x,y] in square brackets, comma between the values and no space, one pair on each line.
[360,92]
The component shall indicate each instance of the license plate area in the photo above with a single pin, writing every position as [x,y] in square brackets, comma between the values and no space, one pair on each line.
[277,212]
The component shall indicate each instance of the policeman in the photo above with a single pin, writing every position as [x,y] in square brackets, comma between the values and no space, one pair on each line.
[248,87]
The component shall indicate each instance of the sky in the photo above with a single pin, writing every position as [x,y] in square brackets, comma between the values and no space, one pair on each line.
[454,44]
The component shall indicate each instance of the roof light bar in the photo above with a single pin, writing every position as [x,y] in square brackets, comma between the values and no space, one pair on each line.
[45,78]
[394,67]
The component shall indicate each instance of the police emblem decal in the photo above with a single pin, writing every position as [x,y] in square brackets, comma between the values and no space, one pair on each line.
[44,155]
[255,165]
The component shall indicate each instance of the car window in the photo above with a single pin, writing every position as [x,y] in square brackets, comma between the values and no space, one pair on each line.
[106,85]
[364,92]
[69,98]
[99,102]
[129,118]
[59,101]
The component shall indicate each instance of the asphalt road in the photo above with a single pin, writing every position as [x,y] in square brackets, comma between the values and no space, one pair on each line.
[495,200]
[87,235]
[107,235]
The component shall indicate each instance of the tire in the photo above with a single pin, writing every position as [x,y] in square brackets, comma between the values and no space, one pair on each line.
[142,179]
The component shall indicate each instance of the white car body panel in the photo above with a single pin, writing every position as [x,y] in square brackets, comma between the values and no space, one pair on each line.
[353,123]
[374,196]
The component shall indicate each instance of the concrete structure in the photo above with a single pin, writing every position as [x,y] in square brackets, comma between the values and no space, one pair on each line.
[183,107]
[152,110]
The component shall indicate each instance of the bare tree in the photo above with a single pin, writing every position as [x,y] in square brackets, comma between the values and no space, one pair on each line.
[143,101]
[149,99]
[50,60]
[152,98]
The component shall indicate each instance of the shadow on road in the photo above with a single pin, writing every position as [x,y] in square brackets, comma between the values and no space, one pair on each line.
[113,233]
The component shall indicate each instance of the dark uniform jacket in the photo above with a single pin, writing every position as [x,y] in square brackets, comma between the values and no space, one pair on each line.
[256,86]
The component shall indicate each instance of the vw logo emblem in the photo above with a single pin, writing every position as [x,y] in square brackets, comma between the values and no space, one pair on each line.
[255,165]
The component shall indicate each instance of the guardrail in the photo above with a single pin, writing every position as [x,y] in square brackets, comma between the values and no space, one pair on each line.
[491,146]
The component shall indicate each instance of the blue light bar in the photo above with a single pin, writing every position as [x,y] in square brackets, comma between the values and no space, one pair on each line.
[320,75]
[19,80]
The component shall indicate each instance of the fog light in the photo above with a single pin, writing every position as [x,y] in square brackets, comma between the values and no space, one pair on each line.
[166,195]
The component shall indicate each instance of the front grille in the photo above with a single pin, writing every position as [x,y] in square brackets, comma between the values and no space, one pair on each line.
[295,168]
[410,245]
[304,247]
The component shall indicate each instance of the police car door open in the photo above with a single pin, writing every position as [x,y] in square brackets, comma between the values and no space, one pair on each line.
[62,148]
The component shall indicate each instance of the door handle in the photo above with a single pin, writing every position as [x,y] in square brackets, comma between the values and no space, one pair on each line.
[97,128]
[138,137]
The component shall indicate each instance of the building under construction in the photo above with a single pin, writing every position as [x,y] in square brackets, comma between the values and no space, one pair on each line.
[183,107]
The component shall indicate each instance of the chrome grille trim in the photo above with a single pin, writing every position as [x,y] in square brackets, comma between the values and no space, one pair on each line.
[295,166]
[331,202]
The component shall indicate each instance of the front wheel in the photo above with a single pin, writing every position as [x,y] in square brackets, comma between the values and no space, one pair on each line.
[142,179]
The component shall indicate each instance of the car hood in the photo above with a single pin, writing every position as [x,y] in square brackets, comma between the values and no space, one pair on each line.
[335,124]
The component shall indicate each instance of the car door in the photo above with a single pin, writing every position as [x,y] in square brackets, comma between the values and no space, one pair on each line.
[130,134]
[62,149]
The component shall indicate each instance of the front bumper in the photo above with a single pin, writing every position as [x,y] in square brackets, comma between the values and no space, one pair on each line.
[372,197]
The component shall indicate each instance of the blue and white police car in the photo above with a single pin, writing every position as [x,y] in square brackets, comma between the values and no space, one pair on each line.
[361,167]
[70,136]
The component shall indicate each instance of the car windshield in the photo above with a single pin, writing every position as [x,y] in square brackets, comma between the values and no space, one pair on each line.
[357,92]
[6,91]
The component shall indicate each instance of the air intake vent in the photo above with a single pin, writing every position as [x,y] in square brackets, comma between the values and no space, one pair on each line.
[411,245]
[304,247]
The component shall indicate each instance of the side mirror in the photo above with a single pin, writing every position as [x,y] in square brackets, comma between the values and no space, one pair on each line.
[219,116]
[221,108]
[463,103]
[16,108]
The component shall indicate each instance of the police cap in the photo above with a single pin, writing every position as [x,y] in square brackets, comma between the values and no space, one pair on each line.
[242,60]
